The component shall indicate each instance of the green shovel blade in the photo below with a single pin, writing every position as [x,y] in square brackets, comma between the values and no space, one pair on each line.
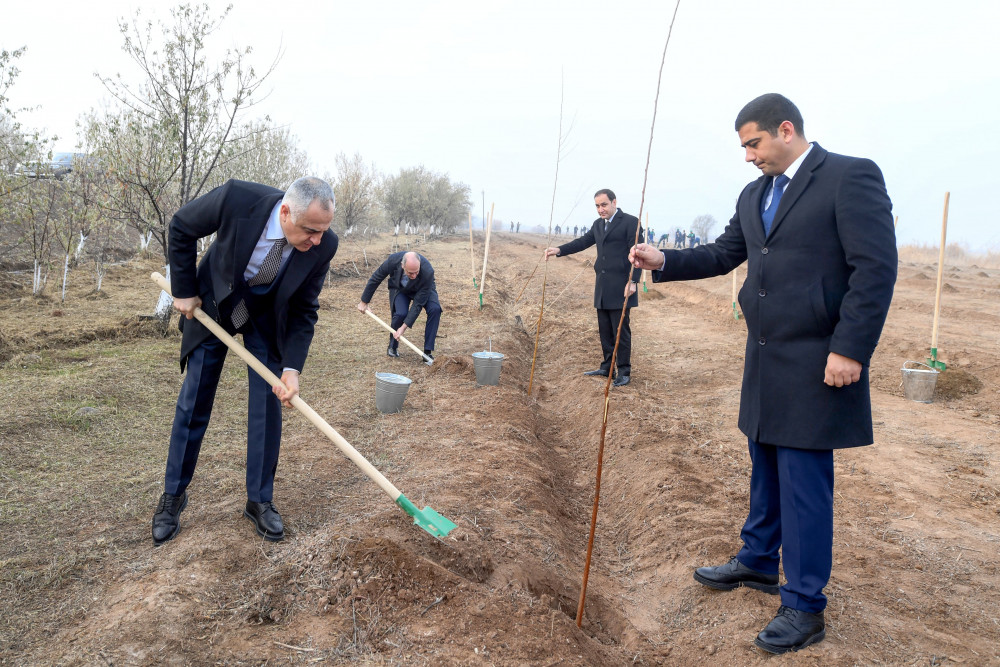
[933,362]
[427,518]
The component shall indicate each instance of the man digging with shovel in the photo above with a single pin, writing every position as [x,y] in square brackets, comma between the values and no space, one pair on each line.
[261,277]
[411,287]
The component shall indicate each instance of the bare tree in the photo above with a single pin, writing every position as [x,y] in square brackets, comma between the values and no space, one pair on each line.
[21,150]
[355,188]
[263,154]
[166,136]
[79,211]
[702,226]
[418,196]
[34,210]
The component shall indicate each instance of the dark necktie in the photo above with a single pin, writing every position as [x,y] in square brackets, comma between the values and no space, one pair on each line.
[768,215]
[264,276]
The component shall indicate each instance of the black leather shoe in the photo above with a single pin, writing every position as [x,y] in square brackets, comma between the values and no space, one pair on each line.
[167,519]
[429,353]
[600,371]
[266,519]
[791,630]
[735,574]
[392,352]
[622,380]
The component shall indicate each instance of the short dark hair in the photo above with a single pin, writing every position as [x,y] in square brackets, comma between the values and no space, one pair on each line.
[769,111]
[605,191]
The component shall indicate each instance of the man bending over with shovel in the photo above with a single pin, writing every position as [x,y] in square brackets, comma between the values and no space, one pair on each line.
[261,277]
[411,287]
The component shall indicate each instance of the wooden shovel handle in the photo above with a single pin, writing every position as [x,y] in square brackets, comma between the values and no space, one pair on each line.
[303,407]
[391,330]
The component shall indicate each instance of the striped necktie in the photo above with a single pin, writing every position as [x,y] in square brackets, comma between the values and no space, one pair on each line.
[264,276]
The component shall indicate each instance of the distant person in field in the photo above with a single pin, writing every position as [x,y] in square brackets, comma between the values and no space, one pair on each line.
[511,226]
[817,234]
[260,278]
[411,289]
[679,239]
[517,227]
[613,233]
[557,230]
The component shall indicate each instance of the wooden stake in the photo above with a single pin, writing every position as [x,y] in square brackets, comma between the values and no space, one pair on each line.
[548,239]
[472,251]
[614,353]
[645,273]
[486,254]
[940,277]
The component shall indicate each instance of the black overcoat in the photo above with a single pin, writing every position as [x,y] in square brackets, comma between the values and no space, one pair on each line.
[820,282]
[611,266]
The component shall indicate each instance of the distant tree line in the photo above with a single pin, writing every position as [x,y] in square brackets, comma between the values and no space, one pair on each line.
[184,128]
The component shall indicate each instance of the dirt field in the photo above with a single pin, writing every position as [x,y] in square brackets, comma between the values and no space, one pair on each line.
[89,400]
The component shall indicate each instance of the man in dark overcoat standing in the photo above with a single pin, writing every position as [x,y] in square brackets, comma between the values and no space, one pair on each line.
[817,234]
[614,232]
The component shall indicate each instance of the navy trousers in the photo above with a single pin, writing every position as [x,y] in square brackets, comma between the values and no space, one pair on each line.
[194,409]
[607,325]
[791,508]
[401,308]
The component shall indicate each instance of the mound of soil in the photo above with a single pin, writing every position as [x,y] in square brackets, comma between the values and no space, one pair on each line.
[955,383]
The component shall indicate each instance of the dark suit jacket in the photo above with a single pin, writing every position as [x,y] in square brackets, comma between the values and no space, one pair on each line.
[237,212]
[820,282]
[612,265]
[419,290]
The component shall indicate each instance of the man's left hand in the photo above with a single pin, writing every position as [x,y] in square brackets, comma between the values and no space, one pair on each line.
[400,331]
[630,289]
[841,371]
[290,379]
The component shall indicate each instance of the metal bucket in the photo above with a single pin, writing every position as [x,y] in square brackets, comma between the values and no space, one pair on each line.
[487,366]
[390,391]
[918,383]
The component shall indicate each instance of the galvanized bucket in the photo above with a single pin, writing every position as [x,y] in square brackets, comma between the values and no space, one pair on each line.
[487,366]
[918,383]
[390,391]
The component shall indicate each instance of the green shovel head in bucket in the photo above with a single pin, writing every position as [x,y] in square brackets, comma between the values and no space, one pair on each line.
[427,518]
[933,362]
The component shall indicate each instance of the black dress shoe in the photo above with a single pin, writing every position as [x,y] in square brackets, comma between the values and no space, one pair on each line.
[392,352]
[166,520]
[600,371]
[735,574]
[429,353]
[266,519]
[622,380]
[791,630]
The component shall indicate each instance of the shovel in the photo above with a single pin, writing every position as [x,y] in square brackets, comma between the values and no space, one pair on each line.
[427,360]
[427,518]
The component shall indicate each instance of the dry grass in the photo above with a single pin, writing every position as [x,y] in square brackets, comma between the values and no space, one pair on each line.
[954,253]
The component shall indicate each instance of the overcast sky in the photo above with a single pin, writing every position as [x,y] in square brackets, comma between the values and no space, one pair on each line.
[473,90]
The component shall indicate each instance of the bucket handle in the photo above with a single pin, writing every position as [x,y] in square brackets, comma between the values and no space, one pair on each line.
[919,363]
